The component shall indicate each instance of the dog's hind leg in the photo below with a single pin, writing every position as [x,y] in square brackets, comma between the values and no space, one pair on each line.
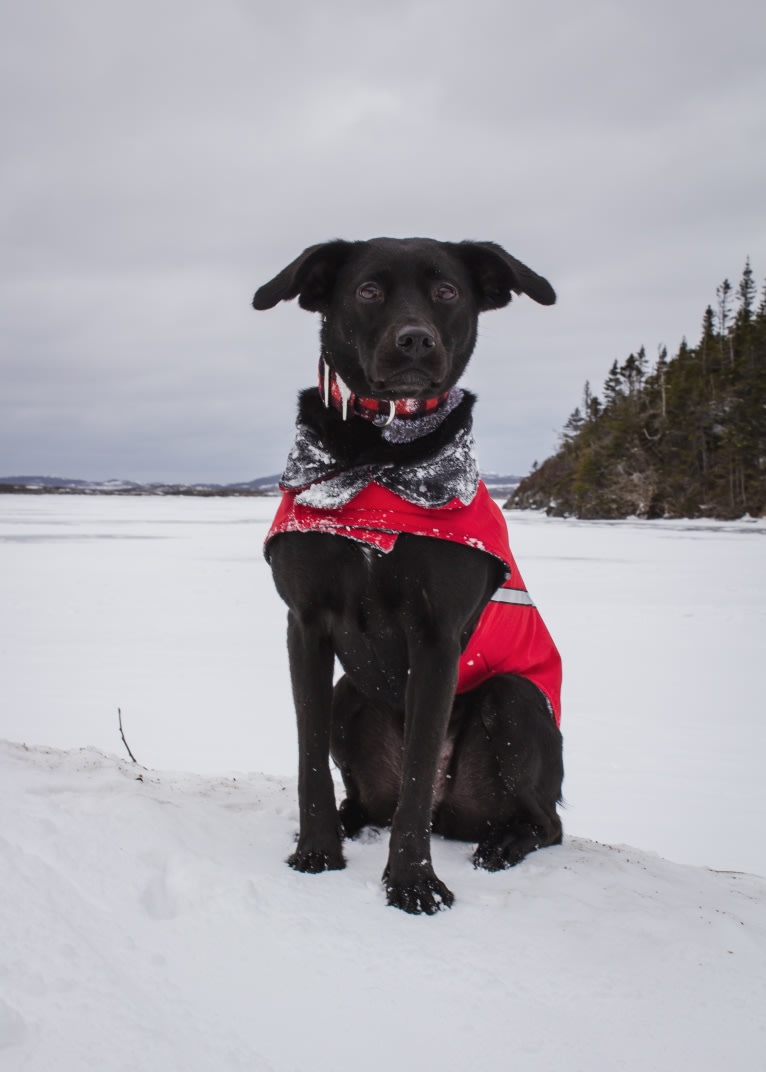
[505,775]
[527,747]
[366,743]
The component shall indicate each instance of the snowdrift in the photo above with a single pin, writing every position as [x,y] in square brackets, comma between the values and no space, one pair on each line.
[149,921]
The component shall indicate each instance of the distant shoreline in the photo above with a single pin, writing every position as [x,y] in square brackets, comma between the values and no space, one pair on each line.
[139,490]
[500,487]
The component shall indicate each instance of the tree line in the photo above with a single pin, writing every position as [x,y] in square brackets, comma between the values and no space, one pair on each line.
[685,437]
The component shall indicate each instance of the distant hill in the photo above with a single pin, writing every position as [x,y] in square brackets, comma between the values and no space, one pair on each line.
[499,486]
[38,485]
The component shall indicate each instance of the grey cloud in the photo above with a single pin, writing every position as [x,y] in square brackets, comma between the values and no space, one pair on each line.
[161,161]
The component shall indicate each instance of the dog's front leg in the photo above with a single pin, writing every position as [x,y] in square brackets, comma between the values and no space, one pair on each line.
[411,883]
[311,665]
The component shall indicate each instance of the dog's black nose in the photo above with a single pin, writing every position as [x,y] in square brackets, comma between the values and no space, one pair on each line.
[415,342]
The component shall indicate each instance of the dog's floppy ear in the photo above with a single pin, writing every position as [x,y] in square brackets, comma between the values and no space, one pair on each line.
[310,278]
[497,273]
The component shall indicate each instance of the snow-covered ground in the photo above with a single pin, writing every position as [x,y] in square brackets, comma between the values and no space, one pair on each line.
[148,919]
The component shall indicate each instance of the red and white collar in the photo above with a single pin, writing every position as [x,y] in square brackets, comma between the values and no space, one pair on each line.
[380,412]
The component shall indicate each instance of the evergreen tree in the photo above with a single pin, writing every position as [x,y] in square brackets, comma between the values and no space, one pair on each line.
[612,386]
[746,294]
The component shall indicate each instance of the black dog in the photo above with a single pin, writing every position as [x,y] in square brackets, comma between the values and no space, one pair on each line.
[388,551]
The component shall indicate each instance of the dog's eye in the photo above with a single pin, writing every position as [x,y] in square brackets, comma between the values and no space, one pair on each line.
[369,292]
[444,292]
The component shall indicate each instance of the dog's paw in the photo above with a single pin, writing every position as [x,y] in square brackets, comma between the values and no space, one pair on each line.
[353,817]
[491,856]
[500,851]
[313,861]
[426,896]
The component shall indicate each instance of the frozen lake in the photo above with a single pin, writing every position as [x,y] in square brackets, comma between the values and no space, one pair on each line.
[164,608]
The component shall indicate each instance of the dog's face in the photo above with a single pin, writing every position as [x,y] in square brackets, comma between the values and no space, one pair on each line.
[399,316]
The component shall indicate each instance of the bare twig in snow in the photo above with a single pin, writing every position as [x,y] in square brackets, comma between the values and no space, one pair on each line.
[122,734]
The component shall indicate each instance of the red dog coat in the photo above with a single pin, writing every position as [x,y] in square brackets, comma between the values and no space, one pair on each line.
[510,636]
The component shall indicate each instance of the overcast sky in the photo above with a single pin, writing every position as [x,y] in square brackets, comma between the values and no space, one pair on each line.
[161,159]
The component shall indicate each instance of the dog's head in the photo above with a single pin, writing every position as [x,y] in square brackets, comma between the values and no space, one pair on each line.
[399,316]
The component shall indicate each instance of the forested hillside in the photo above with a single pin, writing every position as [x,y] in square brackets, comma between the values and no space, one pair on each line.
[684,438]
